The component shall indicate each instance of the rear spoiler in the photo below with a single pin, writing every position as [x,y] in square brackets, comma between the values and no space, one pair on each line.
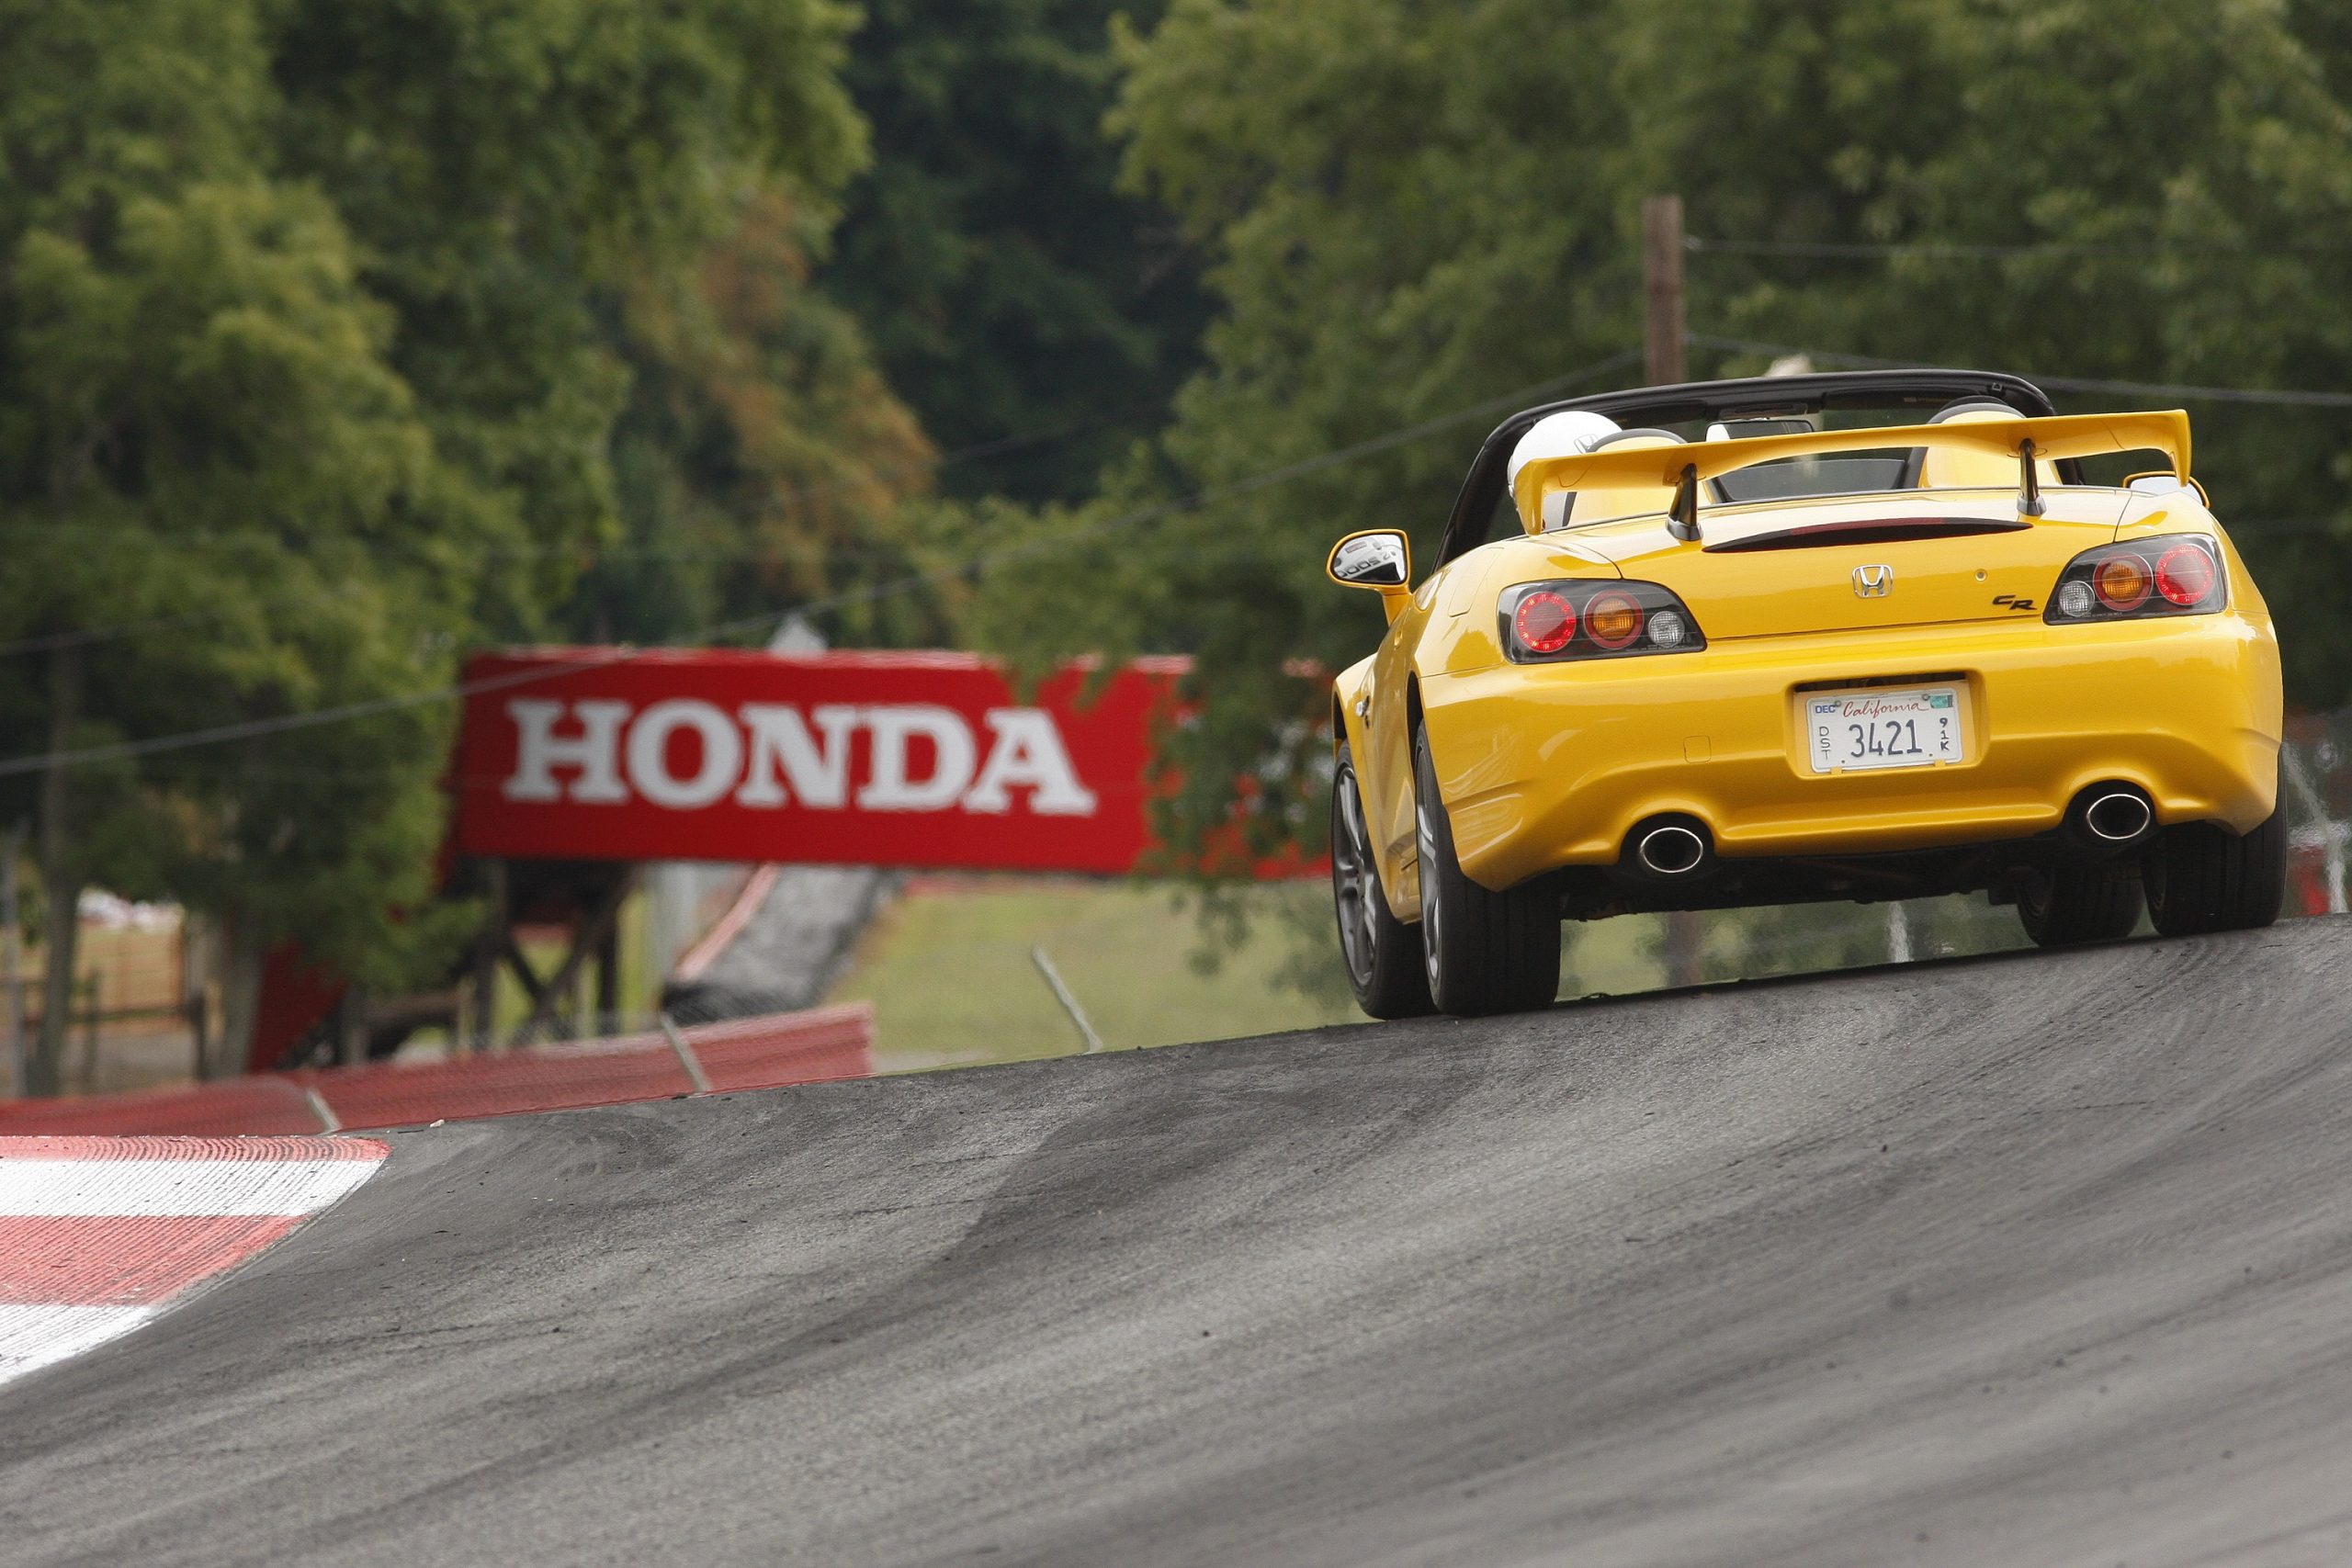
[1683,468]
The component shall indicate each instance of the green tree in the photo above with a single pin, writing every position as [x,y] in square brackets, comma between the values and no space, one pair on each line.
[513,171]
[1409,209]
[595,225]
[1013,293]
[198,431]
[760,460]
[312,350]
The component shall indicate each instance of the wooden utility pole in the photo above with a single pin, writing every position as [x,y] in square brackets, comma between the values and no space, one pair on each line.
[608,980]
[61,881]
[351,1027]
[198,962]
[12,958]
[1662,288]
[1662,339]
[490,950]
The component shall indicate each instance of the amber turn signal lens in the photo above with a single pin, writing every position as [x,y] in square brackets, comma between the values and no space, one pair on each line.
[2122,581]
[1612,620]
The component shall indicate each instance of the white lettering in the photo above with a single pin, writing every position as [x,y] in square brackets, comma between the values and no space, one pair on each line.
[1029,754]
[890,789]
[540,750]
[780,737]
[648,753]
[793,756]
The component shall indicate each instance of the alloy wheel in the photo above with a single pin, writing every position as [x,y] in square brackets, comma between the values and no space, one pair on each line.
[1355,883]
[1425,842]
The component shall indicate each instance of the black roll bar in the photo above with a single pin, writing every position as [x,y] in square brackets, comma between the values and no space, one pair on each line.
[1750,397]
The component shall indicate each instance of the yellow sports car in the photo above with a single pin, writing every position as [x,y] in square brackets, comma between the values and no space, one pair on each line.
[1870,635]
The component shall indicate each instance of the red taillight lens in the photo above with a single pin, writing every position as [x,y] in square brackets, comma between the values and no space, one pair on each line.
[1544,622]
[2185,575]
[1612,620]
[2122,583]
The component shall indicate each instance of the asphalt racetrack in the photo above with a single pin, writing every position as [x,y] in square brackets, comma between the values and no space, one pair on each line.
[2029,1260]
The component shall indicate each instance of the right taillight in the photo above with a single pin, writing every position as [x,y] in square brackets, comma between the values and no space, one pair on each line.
[2172,574]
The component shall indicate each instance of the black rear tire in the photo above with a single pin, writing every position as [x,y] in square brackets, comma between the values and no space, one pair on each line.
[2201,878]
[1382,954]
[2079,904]
[1484,953]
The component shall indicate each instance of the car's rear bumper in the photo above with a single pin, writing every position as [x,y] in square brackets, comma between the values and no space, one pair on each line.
[1545,766]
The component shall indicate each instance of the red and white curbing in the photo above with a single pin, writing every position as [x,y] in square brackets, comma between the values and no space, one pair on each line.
[98,1234]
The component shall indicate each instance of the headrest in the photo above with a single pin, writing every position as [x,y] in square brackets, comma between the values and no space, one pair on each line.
[1560,435]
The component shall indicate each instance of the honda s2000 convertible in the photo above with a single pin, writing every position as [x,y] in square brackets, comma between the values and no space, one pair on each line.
[1883,635]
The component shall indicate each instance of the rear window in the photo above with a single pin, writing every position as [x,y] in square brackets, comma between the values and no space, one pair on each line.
[1855,473]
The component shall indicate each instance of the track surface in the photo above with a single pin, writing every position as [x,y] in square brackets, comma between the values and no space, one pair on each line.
[2020,1260]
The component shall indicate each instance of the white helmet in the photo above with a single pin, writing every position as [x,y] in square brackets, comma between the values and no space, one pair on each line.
[1559,435]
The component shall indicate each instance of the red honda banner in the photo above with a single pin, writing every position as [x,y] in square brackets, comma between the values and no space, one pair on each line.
[858,758]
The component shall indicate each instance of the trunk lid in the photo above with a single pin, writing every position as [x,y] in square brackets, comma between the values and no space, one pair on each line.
[1855,563]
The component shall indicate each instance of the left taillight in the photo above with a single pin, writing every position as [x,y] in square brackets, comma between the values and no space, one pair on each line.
[2171,574]
[1545,623]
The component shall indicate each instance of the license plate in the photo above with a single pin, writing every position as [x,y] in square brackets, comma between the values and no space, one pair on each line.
[1848,730]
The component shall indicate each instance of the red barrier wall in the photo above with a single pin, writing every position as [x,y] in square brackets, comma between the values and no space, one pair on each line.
[767,1051]
[235,1106]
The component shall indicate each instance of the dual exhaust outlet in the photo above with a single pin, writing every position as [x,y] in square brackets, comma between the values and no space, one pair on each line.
[1676,848]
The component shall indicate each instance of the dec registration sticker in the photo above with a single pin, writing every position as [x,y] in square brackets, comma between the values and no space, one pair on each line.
[1884,730]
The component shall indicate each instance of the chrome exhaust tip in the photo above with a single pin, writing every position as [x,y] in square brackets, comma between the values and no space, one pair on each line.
[1670,850]
[2119,817]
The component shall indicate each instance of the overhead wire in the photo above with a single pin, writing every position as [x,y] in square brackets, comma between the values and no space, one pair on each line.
[1061,538]
[81,638]
[1956,250]
[1197,500]
[2284,397]
[54,640]
[1053,539]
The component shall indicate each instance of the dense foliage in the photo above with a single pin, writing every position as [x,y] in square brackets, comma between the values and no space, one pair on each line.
[1020,301]
[1411,209]
[317,318]
[760,460]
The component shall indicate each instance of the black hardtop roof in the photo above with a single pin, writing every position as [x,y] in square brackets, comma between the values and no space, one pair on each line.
[1748,396]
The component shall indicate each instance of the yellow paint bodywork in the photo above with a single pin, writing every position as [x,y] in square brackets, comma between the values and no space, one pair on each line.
[1548,765]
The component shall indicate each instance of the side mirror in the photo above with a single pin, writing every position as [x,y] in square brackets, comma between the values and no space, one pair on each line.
[1378,559]
[2164,481]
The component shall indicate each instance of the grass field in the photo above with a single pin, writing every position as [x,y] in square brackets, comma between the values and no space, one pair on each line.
[949,970]
[948,967]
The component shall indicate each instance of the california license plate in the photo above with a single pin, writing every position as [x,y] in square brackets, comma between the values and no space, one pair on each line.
[1916,729]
